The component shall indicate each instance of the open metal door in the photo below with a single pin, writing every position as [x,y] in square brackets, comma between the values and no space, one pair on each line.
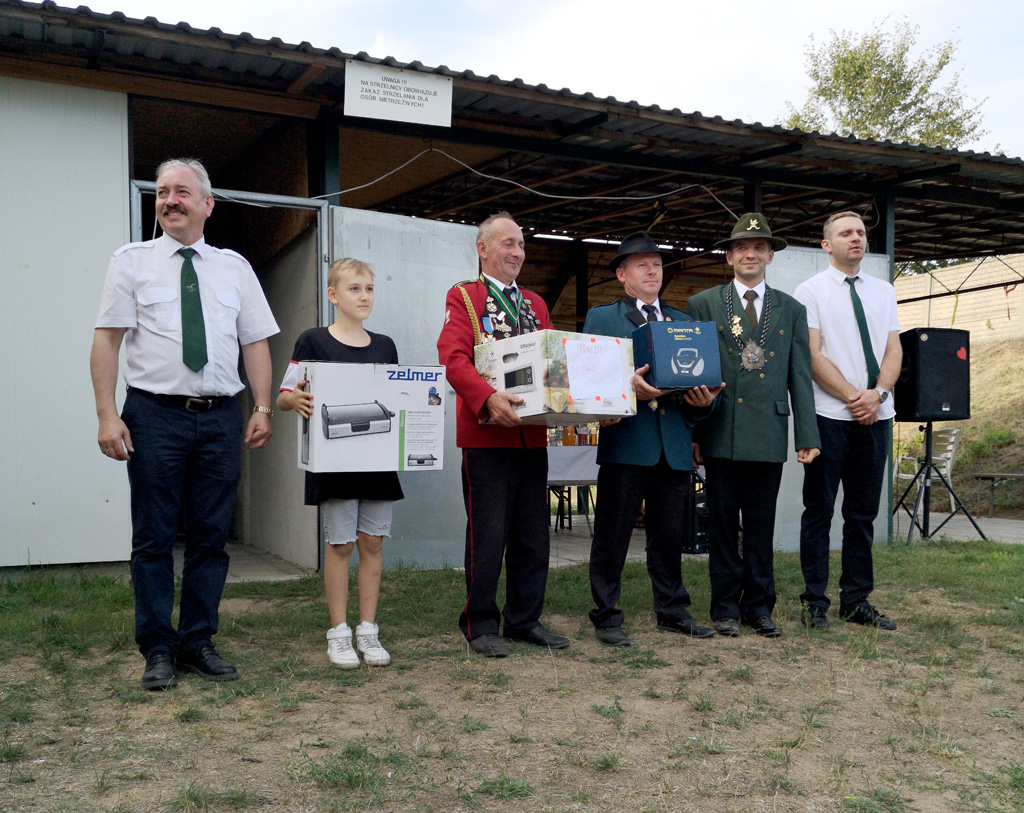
[415,262]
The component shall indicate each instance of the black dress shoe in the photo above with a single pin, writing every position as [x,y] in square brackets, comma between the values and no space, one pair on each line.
[867,615]
[765,627]
[612,636]
[685,626]
[538,636]
[814,618]
[489,645]
[728,627]
[205,662]
[159,672]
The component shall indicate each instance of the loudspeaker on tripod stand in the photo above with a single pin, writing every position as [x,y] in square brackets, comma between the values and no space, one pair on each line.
[935,379]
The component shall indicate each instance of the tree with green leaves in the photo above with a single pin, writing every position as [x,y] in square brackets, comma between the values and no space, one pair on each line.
[871,86]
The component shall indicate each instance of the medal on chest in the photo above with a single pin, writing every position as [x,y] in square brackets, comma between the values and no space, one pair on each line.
[752,355]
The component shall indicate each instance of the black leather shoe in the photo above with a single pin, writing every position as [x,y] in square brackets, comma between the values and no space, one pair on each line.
[205,662]
[728,627]
[765,627]
[612,636]
[814,618]
[867,615]
[685,626]
[489,645]
[159,673]
[538,636]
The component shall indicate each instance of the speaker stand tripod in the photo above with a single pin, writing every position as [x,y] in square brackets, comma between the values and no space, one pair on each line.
[922,506]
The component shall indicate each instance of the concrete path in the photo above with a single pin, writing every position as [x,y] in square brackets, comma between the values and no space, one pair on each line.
[568,547]
[959,527]
[572,547]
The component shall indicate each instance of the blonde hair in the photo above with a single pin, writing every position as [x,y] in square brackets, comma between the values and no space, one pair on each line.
[834,217]
[339,267]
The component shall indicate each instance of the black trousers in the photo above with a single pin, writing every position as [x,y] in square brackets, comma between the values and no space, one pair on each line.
[181,460]
[742,586]
[855,456]
[620,490]
[505,491]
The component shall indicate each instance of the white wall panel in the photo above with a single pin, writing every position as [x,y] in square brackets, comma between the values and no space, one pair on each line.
[64,162]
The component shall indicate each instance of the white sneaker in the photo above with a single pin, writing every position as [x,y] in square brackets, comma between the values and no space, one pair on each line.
[339,647]
[369,646]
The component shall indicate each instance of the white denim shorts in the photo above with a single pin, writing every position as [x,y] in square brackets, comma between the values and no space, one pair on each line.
[343,518]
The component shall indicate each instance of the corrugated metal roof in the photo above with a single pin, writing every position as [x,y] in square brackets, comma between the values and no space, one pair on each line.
[950,202]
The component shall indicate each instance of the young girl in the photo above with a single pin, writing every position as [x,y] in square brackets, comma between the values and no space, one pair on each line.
[355,506]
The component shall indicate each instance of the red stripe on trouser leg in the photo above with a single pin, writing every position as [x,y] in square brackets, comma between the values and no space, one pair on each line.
[469,520]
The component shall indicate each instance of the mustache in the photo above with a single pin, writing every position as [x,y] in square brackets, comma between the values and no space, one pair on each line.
[173,207]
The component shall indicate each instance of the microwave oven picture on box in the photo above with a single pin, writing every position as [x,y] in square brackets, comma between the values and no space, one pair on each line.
[563,378]
[372,417]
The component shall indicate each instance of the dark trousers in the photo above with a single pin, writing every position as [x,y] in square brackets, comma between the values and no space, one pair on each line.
[505,491]
[742,586]
[855,456]
[190,462]
[620,490]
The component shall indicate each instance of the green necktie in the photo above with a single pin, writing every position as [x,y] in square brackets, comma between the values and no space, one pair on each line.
[750,296]
[193,330]
[865,339]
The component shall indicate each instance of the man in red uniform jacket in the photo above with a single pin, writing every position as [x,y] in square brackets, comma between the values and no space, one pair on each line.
[504,463]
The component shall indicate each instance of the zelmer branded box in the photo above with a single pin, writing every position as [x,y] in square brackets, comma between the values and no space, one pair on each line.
[681,354]
[372,417]
[563,378]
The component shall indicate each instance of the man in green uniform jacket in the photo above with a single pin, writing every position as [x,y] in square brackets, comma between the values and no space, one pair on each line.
[766,366]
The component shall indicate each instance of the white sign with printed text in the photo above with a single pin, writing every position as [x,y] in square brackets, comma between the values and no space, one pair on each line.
[379,92]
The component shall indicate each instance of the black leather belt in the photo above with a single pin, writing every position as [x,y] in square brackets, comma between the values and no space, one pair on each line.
[191,403]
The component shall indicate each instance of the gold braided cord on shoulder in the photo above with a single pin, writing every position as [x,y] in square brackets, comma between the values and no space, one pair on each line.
[473,320]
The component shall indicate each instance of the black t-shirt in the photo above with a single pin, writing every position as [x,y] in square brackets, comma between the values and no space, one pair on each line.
[318,344]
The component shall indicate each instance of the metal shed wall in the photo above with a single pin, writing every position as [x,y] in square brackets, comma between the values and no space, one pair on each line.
[64,161]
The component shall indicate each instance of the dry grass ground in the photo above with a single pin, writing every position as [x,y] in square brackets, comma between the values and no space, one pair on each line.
[993,438]
[852,720]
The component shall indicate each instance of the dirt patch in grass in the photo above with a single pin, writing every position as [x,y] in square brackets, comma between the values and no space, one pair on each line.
[851,719]
[238,605]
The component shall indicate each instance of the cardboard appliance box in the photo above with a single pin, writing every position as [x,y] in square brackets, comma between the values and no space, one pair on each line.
[372,417]
[563,378]
[681,354]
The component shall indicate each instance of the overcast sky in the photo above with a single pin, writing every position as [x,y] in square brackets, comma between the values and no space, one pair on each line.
[729,59]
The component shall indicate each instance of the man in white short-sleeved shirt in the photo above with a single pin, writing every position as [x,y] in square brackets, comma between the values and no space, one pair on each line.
[182,308]
[855,358]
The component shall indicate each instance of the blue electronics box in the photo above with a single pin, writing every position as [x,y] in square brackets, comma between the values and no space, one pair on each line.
[681,354]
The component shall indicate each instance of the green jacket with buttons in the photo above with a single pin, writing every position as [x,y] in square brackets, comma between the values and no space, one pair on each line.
[751,421]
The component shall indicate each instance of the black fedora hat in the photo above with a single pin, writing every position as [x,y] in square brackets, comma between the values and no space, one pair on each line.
[751,226]
[638,243]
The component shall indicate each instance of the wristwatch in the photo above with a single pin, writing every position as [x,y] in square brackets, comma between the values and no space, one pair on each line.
[269,412]
[883,395]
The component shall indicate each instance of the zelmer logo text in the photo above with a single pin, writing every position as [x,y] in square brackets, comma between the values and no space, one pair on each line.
[412,375]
